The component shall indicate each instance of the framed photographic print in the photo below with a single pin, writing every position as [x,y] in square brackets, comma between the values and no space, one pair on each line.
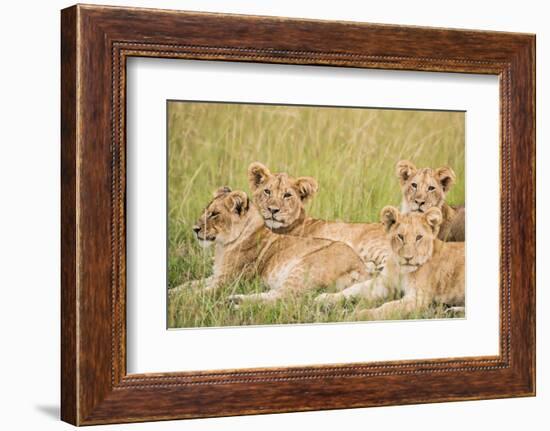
[207,143]
[325,214]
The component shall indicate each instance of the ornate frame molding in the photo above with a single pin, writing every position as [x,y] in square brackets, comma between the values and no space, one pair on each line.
[96,41]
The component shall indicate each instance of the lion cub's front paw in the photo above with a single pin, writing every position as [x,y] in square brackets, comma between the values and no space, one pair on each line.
[328,298]
[236,300]
[453,311]
[367,314]
[175,290]
[371,267]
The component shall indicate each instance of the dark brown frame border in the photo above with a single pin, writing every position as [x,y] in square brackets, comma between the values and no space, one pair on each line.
[95,43]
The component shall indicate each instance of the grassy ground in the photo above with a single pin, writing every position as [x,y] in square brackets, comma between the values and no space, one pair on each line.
[351,152]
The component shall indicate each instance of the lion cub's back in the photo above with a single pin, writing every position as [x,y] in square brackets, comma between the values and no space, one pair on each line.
[288,247]
[317,261]
[447,273]
[367,239]
[454,229]
[457,229]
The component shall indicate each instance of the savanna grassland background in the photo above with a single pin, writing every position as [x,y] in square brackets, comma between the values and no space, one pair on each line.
[351,152]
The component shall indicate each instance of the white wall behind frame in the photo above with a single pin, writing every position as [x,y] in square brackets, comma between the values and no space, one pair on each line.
[29,245]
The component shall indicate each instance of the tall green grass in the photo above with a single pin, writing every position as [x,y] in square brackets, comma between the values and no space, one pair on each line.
[351,152]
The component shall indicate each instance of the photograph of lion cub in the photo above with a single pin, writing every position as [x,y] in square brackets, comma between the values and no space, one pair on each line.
[281,200]
[287,265]
[426,188]
[426,269]
[420,270]
[298,238]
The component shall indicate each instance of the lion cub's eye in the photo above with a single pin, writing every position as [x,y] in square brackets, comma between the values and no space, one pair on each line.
[267,192]
[400,237]
[431,188]
[287,195]
[413,185]
[418,237]
[213,214]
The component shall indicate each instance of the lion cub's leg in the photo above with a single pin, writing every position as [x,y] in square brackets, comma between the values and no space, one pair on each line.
[370,289]
[452,310]
[357,289]
[262,297]
[300,280]
[406,304]
[286,281]
[208,284]
[193,284]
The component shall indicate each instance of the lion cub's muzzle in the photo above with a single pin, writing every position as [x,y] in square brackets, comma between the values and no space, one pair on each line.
[272,217]
[408,264]
[273,213]
[201,234]
[419,206]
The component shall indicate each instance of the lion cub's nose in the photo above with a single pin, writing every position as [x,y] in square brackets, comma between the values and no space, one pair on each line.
[273,210]
[196,229]
[419,202]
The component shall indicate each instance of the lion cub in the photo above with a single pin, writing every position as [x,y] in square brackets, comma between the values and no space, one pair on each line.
[423,268]
[281,200]
[245,248]
[426,188]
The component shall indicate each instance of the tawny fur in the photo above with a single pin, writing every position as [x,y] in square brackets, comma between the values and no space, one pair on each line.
[245,248]
[281,200]
[421,267]
[426,188]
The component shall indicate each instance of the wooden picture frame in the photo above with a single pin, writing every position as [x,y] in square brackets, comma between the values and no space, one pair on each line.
[96,41]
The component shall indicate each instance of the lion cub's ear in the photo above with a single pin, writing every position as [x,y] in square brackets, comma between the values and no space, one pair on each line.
[389,216]
[221,191]
[405,170]
[257,175]
[307,187]
[446,177]
[434,218]
[237,202]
